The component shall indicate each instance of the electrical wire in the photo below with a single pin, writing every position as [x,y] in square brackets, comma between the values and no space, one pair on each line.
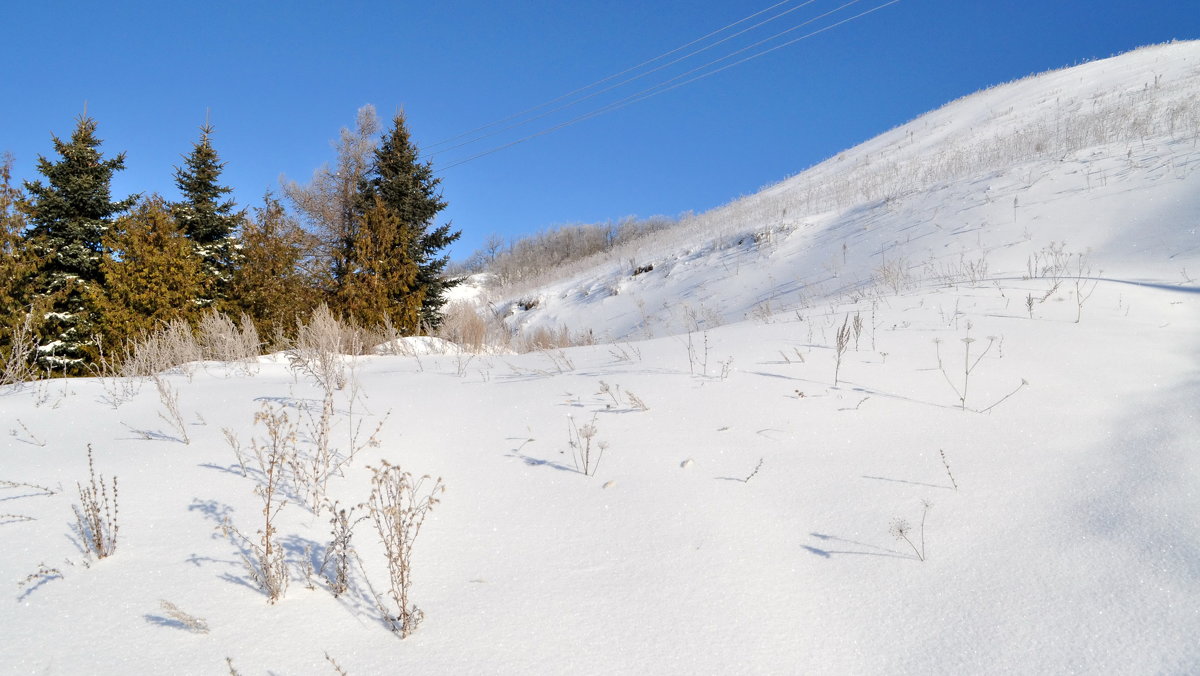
[624,82]
[610,77]
[663,87]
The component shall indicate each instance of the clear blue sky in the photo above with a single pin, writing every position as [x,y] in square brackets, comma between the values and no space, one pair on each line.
[281,78]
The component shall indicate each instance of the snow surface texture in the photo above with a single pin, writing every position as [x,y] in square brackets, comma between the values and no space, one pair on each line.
[738,520]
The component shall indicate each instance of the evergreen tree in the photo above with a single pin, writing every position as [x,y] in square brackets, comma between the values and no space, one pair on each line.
[17,267]
[407,188]
[68,217]
[272,284]
[153,276]
[206,218]
[384,282]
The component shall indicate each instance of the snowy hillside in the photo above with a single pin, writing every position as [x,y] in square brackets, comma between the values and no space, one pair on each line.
[1099,159]
[929,407]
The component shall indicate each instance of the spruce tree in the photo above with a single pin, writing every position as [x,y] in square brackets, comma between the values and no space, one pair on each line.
[408,190]
[69,216]
[206,218]
[154,275]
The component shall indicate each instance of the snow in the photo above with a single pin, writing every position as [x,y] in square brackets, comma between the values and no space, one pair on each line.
[739,524]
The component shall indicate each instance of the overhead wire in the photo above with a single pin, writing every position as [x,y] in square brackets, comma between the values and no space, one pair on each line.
[610,77]
[666,86]
[624,82]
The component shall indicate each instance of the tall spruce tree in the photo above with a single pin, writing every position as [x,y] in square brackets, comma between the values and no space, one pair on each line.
[69,215]
[408,190]
[206,218]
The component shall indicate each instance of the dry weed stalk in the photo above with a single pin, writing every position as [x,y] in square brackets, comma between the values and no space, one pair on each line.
[900,529]
[169,397]
[194,624]
[17,363]
[96,519]
[843,341]
[580,440]
[399,505]
[265,561]
[335,567]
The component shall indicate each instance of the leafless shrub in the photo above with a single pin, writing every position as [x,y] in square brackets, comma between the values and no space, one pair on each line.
[319,348]
[96,517]
[173,345]
[170,412]
[16,364]
[264,559]
[336,566]
[399,505]
[194,624]
[220,339]
[895,275]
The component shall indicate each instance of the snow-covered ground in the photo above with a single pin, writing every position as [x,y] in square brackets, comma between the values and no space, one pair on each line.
[739,521]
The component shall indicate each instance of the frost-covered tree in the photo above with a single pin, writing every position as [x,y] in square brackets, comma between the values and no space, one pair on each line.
[68,216]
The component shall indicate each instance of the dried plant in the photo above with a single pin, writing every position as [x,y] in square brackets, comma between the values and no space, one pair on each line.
[946,463]
[171,414]
[580,441]
[636,401]
[264,559]
[754,473]
[16,363]
[336,565]
[843,341]
[96,518]
[190,622]
[900,529]
[399,505]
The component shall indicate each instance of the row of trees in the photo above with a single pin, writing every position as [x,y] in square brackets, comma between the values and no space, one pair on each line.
[82,273]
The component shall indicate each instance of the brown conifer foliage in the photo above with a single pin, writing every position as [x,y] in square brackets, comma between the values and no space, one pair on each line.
[272,284]
[383,280]
[152,276]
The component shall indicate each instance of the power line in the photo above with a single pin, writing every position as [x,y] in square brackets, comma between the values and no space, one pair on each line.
[622,83]
[610,77]
[662,87]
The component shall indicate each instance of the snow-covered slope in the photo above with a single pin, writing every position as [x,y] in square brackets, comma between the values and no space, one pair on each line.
[1099,159]
[1031,430]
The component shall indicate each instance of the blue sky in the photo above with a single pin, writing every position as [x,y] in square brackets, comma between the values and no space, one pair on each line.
[281,79]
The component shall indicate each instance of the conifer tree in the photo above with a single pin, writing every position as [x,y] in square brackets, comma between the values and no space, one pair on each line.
[17,266]
[154,275]
[68,217]
[407,188]
[272,284]
[206,218]
[384,281]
